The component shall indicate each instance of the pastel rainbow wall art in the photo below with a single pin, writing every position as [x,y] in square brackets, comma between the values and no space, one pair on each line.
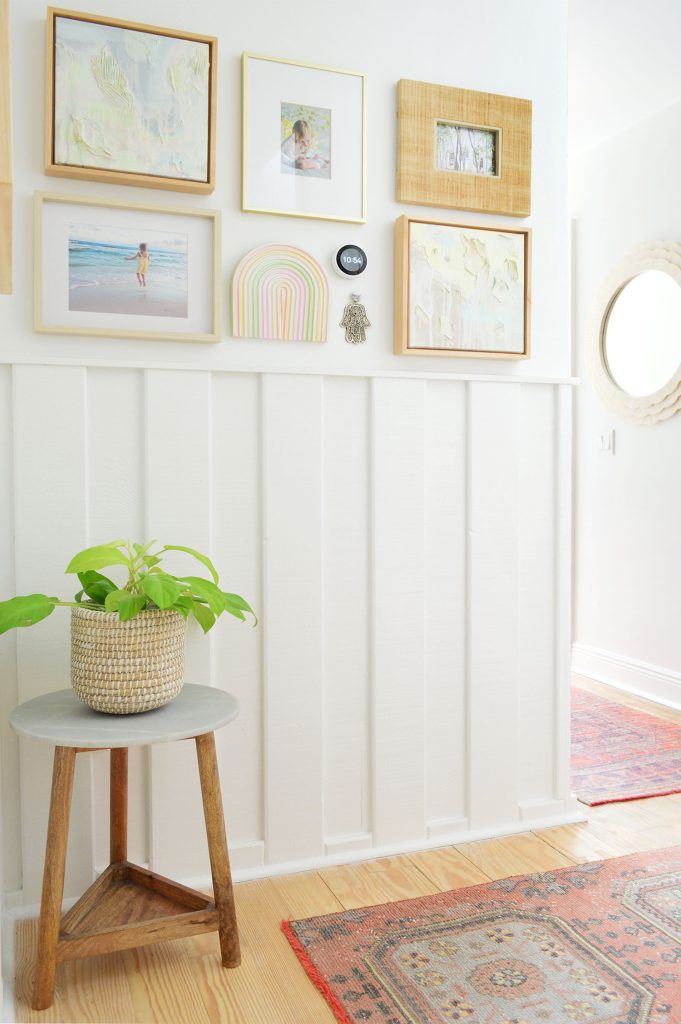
[280,293]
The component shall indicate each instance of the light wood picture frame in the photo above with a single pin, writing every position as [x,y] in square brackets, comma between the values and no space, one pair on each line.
[462,290]
[116,269]
[5,154]
[319,173]
[463,150]
[113,74]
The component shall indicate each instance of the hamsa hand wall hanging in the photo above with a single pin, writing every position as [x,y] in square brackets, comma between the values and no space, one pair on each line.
[355,321]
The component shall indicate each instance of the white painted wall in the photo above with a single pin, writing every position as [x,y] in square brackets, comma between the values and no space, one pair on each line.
[403,537]
[628,507]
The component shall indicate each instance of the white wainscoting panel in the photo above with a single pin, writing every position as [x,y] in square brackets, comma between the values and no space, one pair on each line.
[403,541]
[446,567]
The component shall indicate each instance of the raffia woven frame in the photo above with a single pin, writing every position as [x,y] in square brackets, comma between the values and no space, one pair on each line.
[420,106]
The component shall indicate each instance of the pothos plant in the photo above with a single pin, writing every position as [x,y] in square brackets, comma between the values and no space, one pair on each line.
[148,585]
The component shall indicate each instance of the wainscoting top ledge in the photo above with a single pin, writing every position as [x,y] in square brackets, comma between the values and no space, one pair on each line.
[146,364]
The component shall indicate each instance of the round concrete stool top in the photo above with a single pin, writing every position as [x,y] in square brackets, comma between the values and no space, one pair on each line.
[61,719]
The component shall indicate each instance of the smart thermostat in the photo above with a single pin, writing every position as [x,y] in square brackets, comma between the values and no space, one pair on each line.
[350,261]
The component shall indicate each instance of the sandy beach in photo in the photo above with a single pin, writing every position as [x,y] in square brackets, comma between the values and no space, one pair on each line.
[154,300]
[104,272]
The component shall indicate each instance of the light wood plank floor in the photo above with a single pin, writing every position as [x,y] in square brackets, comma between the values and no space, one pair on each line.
[182,981]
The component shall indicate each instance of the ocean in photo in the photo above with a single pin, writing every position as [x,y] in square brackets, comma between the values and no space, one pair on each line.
[102,281]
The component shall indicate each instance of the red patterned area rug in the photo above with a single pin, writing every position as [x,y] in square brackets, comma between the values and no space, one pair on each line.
[621,754]
[589,944]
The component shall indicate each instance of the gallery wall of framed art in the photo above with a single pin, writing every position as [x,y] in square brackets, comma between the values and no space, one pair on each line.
[300,128]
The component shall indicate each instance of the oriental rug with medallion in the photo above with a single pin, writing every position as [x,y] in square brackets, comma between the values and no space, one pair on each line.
[592,944]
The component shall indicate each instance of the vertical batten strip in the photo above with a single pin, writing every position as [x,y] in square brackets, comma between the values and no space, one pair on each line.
[50,522]
[346,640]
[399,691]
[264,648]
[237,531]
[116,487]
[178,428]
[468,600]
[536,596]
[493,609]
[445,575]
[293,529]
[562,568]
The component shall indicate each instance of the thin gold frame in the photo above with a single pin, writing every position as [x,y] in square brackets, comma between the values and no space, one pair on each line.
[246,56]
[112,175]
[100,332]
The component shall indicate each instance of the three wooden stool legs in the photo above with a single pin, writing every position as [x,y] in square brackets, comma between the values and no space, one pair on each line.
[202,919]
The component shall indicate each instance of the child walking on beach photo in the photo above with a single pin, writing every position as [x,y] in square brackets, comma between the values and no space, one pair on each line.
[142,256]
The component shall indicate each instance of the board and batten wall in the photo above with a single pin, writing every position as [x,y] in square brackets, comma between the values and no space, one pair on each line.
[405,542]
[402,531]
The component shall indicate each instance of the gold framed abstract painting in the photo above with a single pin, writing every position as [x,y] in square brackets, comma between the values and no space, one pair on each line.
[461,290]
[463,149]
[128,103]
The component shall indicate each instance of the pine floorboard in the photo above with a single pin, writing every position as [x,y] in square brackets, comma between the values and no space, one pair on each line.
[181,982]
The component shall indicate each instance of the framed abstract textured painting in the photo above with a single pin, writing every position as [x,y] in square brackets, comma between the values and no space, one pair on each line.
[463,149]
[128,103]
[461,290]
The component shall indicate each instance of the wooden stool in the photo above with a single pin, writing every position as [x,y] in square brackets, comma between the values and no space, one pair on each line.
[103,920]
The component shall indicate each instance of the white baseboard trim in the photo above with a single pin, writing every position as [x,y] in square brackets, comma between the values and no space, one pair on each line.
[661,685]
[446,826]
[16,911]
[465,835]
[533,810]
[345,844]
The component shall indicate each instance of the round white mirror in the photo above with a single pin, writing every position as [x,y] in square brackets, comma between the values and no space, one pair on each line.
[642,333]
[635,346]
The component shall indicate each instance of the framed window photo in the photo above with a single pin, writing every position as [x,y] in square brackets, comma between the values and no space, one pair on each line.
[304,140]
[126,270]
[462,149]
[128,103]
[461,290]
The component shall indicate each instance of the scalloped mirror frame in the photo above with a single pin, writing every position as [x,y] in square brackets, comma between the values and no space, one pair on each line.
[663,403]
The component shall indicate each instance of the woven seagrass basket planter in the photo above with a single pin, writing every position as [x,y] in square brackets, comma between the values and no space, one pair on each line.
[125,667]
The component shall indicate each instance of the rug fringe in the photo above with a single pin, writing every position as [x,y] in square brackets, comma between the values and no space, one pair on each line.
[630,799]
[314,975]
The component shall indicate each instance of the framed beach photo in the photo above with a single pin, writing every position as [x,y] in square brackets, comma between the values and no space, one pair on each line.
[128,103]
[126,270]
[304,140]
[461,290]
[463,149]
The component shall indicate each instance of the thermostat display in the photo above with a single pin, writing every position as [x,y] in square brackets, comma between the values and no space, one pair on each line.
[351,260]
